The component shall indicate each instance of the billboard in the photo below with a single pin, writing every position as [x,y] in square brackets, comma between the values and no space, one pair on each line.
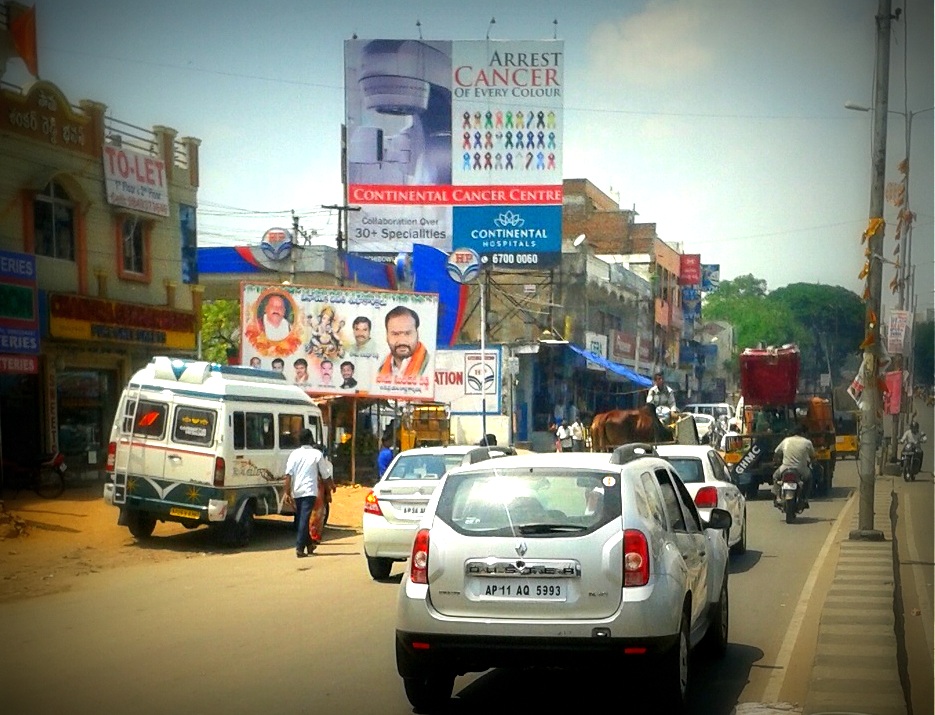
[456,144]
[468,380]
[334,341]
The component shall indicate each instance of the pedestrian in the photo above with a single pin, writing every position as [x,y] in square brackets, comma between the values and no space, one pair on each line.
[577,436]
[384,456]
[304,466]
[563,439]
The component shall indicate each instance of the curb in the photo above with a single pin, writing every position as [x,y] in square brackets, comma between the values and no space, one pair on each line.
[856,665]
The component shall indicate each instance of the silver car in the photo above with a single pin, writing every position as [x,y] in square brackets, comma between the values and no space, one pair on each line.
[565,559]
[396,503]
[708,480]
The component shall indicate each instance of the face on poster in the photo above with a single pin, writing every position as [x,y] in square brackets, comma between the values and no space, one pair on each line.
[342,341]
[456,144]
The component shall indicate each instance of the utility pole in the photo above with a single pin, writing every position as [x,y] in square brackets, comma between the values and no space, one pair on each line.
[342,235]
[871,402]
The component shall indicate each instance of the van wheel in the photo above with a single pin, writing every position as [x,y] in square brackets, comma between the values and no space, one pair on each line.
[238,532]
[140,525]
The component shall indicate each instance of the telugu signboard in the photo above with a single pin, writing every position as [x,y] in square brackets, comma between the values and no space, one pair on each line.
[456,144]
[341,340]
[19,317]
[897,331]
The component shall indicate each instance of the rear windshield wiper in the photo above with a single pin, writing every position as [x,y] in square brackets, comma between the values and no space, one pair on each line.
[549,528]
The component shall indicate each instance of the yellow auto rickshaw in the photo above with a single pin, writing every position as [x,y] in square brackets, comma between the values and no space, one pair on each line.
[846,443]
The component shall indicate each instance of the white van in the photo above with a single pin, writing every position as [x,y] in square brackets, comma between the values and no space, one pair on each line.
[200,443]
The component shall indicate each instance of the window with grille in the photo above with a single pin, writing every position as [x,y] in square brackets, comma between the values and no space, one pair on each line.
[54,223]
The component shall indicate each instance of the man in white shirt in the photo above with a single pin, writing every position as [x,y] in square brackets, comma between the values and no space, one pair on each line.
[563,438]
[275,325]
[660,394]
[303,467]
[577,436]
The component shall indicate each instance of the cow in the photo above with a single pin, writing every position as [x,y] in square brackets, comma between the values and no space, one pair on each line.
[611,429]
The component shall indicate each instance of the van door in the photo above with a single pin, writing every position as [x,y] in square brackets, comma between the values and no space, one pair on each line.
[192,444]
[142,435]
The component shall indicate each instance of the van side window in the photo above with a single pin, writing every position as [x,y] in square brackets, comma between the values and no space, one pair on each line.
[314,424]
[289,428]
[194,426]
[254,430]
[150,418]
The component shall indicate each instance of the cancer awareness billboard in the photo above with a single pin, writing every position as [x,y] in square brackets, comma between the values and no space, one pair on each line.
[456,144]
[342,341]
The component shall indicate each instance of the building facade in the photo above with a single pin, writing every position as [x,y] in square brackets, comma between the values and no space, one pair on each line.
[98,267]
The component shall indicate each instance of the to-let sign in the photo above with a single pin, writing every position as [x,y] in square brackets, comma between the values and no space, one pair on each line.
[136,181]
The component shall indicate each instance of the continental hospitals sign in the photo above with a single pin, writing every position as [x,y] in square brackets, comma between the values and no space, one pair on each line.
[456,144]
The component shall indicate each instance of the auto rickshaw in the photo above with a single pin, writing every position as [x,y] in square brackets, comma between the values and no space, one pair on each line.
[846,444]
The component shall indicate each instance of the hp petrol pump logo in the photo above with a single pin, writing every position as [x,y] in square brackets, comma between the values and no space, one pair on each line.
[463,265]
[480,379]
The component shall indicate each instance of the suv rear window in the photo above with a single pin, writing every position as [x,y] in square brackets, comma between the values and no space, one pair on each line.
[529,502]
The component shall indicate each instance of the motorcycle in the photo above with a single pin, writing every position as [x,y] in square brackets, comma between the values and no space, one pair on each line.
[911,460]
[791,499]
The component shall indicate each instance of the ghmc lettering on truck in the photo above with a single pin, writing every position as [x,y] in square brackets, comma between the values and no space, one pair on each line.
[199,443]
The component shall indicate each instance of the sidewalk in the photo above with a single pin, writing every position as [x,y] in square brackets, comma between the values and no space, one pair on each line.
[856,667]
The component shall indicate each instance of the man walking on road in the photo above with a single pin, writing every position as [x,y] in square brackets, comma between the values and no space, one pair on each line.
[303,468]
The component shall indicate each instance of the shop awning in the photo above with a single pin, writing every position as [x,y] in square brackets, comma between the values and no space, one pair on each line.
[614,367]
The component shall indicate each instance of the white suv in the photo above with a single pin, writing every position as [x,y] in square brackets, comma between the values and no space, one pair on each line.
[561,560]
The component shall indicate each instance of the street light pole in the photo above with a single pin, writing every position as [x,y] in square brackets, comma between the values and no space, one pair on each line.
[870,403]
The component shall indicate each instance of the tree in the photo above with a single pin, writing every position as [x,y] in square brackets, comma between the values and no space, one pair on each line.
[833,319]
[743,303]
[220,329]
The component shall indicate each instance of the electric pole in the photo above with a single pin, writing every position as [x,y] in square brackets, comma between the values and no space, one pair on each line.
[870,399]
[342,235]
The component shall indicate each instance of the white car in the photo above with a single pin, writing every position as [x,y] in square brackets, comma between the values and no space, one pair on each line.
[562,560]
[394,506]
[708,479]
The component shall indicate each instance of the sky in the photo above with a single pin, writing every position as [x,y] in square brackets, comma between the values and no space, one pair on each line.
[720,121]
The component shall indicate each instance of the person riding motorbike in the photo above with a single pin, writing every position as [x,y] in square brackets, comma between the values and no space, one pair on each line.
[795,452]
[912,438]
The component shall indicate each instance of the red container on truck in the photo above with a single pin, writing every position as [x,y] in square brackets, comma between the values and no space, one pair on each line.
[769,376]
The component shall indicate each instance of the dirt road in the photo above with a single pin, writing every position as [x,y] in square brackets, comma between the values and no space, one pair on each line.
[48,545]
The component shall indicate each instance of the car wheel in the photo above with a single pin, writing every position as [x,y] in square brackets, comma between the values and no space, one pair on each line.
[379,568]
[238,532]
[140,525]
[741,546]
[673,672]
[715,638]
[429,692]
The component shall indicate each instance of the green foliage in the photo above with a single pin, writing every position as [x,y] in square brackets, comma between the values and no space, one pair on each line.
[220,329]
[923,346]
[826,322]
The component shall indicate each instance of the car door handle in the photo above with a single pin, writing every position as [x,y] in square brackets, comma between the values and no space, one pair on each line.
[175,458]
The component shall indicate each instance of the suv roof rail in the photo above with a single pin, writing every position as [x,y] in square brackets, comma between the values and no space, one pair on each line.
[628,452]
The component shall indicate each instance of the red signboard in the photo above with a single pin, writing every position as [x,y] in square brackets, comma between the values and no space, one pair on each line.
[19,364]
[690,269]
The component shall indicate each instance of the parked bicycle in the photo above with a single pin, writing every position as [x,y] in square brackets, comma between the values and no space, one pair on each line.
[46,477]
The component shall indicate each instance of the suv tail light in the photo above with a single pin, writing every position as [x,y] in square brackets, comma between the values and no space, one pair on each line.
[635,558]
[111,456]
[706,498]
[372,504]
[419,564]
[219,469]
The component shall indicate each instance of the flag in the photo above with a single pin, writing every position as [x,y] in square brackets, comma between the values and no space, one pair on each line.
[23,32]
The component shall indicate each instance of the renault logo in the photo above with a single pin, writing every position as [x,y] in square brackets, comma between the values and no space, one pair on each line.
[521,548]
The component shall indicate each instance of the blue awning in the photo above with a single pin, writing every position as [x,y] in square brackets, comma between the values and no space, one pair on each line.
[615,367]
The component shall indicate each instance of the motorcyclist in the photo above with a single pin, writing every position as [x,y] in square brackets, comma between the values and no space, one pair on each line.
[912,436]
[795,452]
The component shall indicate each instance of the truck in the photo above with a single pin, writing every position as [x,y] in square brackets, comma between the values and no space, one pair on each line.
[770,408]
